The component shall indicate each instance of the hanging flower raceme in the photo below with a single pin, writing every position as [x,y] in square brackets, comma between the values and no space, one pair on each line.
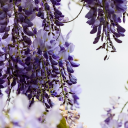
[105,17]
[35,58]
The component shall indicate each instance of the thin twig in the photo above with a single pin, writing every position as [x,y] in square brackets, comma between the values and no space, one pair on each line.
[59,33]
[77,15]
[123,107]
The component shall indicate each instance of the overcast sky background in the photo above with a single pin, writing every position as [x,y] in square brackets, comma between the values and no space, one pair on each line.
[99,79]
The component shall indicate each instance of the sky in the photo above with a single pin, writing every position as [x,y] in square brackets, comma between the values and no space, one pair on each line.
[99,79]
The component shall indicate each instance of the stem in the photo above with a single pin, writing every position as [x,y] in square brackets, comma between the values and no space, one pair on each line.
[45,75]
[103,2]
[77,15]
[70,16]
[61,80]
[47,15]
[124,107]
[59,33]
[41,96]
[16,27]
[8,98]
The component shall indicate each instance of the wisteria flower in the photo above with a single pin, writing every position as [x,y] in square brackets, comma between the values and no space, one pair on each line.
[53,117]
[113,100]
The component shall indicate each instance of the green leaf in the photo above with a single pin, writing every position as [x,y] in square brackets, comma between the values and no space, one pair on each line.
[62,123]
[126,88]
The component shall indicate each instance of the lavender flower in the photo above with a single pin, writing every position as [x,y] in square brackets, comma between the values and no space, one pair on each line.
[24,117]
[112,119]
[105,16]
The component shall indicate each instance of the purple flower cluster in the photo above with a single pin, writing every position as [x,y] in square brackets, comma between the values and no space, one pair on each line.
[36,61]
[112,119]
[105,17]
[72,117]
[21,116]
[35,58]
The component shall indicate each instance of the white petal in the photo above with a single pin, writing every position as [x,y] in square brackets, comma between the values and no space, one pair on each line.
[16,115]
[113,100]
[53,117]
[37,109]
[113,124]
[22,102]
[122,116]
